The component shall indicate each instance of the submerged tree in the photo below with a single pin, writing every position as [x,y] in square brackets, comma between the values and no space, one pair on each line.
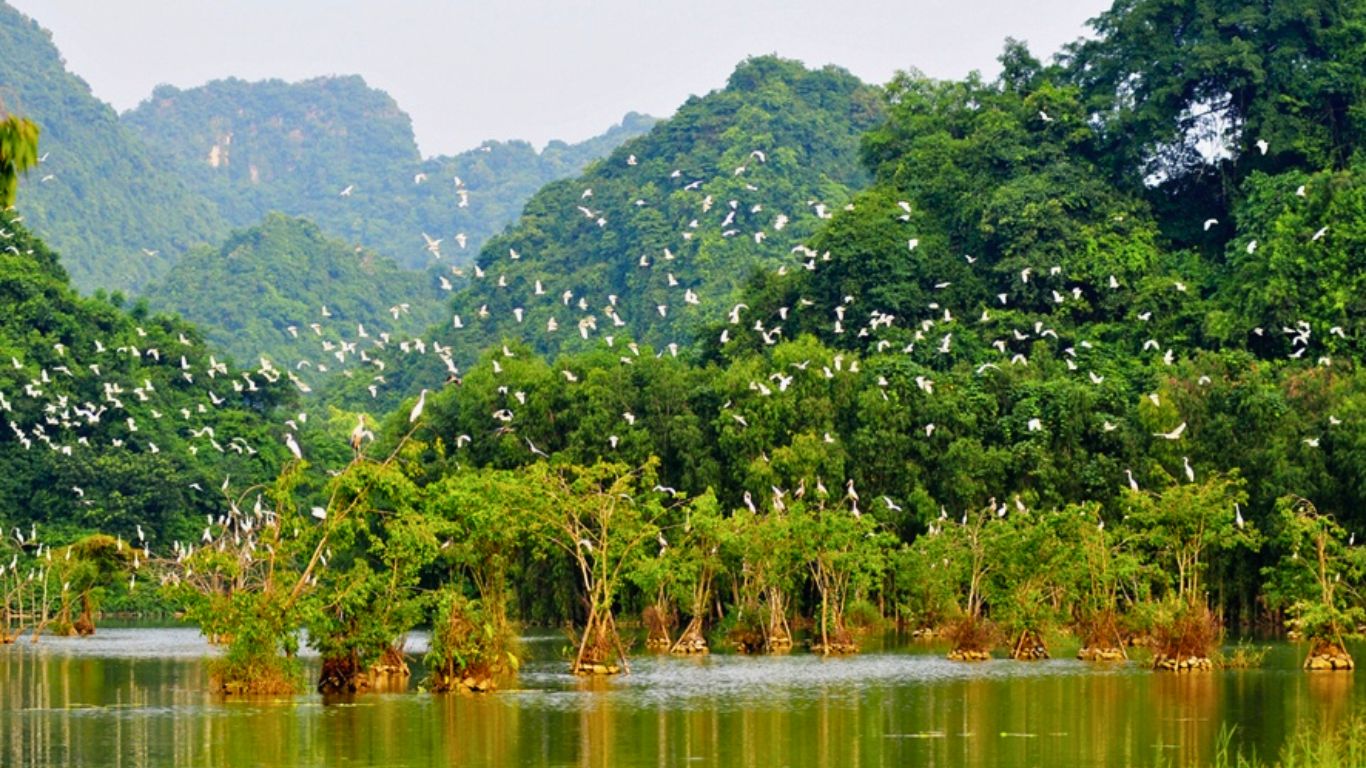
[1318,581]
[600,515]
[696,564]
[365,597]
[468,650]
[1027,589]
[85,568]
[1181,528]
[764,556]
[254,580]
[846,556]
[960,557]
[485,521]
[1105,573]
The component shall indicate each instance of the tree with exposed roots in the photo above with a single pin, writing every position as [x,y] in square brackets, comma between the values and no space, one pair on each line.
[1318,582]
[1182,528]
[600,516]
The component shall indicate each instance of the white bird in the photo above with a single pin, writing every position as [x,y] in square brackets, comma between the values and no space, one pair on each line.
[1190,473]
[1263,146]
[1133,484]
[1175,434]
[1210,223]
[348,190]
[417,408]
[293,445]
[1238,516]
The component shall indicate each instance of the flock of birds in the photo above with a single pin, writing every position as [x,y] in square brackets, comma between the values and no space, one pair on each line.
[68,424]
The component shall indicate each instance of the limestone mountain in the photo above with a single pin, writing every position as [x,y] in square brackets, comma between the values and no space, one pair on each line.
[343,154]
[109,202]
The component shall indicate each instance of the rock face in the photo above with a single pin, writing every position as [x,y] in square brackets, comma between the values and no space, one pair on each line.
[467,684]
[1164,663]
[841,647]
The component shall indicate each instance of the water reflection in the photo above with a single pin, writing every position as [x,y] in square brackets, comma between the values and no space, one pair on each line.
[137,698]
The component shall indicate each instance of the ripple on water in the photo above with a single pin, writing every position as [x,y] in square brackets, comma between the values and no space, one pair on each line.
[738,682]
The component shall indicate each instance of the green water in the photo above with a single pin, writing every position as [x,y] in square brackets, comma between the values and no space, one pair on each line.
[136,697]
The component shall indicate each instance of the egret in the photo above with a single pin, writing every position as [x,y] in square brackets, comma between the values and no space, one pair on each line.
[417,408]
[1175,434]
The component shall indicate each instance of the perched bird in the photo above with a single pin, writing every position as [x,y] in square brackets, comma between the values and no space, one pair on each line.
[421,403]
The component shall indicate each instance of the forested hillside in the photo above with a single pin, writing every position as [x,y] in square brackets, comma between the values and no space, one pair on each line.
[112,205]
[285,291]
[115,417]
[1025,311]
[1074,347]
[655,241]
[343,155]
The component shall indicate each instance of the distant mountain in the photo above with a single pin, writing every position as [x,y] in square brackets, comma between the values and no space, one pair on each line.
[260,292]
[656,241]
[343,154]
[102,197]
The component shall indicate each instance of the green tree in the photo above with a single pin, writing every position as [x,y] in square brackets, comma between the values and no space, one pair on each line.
[18,153]
[1318,579]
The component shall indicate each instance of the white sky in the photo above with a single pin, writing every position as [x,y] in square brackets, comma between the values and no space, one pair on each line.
[469,70]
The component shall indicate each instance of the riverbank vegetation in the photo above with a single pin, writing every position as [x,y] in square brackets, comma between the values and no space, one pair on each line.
[1045,363]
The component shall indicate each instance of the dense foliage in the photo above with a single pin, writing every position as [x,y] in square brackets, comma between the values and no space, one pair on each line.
[100,195]
[655,241]
[115,417]
[262,291]
[1010,376]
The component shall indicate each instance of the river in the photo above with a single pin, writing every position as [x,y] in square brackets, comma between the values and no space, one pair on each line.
[137,697]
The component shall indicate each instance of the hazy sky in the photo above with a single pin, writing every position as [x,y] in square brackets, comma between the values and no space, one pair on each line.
[532,69]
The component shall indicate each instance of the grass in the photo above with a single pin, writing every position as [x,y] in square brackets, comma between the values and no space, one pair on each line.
[1244,655]
[1344,747]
